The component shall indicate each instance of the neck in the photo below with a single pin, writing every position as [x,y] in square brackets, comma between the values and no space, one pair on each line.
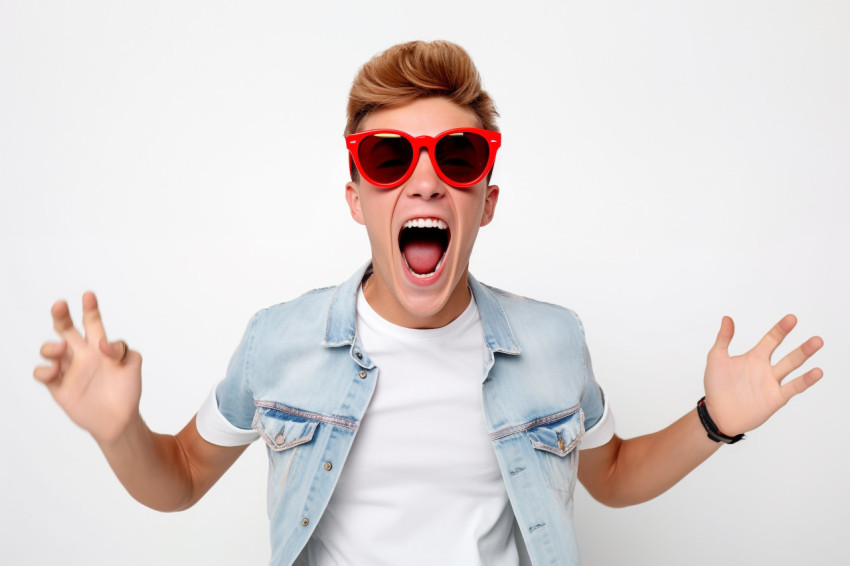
[385,303]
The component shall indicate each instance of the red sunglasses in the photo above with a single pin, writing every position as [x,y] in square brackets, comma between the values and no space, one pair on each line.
[386,158]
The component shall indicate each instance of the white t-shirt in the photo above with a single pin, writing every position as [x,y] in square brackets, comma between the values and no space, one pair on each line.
[421,484]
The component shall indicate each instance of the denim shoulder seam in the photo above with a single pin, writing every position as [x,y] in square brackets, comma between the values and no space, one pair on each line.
[507,295]
[315,291]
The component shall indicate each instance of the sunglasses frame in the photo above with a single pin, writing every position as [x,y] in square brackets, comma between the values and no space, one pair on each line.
[494,140]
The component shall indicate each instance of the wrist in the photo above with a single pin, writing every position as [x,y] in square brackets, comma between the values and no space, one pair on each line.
[119,437]
[711,428]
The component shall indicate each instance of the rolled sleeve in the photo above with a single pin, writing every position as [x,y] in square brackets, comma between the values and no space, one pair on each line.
[225,417]
[214,428]
[599,419]
[602,431]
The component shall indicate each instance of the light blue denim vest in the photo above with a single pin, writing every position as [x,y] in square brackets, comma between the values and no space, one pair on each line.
[301,379]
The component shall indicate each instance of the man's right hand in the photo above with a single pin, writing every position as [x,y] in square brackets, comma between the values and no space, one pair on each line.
[99,384]
[96,382]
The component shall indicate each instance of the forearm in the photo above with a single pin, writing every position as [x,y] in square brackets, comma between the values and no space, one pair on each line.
[741,393]
[152,467]
[642,468]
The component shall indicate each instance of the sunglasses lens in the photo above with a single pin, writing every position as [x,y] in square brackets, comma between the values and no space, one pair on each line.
[385,158]
[462,156]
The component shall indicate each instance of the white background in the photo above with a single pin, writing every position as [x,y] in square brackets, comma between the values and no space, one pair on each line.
[664,164]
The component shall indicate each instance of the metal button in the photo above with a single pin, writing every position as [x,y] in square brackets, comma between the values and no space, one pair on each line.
[279,439]
[362,374]
[359,355]
[561,444]
[305,521]
[328,466]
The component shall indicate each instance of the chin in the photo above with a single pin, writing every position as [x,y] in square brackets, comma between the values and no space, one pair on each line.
[429,299]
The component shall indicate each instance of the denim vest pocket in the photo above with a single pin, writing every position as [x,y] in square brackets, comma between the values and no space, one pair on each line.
[556,447]
[282,429]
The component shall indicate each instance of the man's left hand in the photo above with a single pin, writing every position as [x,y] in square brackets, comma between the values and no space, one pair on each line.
[742,392]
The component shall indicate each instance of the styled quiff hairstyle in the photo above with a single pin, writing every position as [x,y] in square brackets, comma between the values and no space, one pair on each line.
[418,69]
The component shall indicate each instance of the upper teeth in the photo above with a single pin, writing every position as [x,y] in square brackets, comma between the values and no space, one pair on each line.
[426,223]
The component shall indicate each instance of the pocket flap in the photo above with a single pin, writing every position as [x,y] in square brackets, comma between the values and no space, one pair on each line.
[559,437]
[281,430]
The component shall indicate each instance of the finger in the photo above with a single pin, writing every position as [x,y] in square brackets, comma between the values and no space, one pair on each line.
[776,335]
[800,384]
[53,350]
[117,351]
[92,322]
[724,336]
[64,326]
[46,374]
[798,357]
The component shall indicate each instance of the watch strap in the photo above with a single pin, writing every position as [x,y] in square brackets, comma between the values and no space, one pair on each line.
[711,428]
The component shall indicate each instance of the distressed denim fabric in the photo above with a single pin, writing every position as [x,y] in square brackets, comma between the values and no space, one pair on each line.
[301,379]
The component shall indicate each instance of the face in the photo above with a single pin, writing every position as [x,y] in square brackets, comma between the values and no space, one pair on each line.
[420,274]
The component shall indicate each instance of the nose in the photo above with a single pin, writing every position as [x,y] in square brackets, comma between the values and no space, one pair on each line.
[424,182]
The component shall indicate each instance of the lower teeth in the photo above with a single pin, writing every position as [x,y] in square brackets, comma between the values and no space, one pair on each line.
[424,275]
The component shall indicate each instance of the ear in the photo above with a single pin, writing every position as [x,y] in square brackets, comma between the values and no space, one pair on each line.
[352,196]
[491,197]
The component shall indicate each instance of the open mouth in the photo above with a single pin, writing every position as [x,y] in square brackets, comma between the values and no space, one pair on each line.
[423,243]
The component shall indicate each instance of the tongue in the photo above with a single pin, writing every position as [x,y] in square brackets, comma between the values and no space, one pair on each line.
[422,256]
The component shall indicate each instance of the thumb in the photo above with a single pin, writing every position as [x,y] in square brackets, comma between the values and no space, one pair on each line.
[117,350]
[724,336]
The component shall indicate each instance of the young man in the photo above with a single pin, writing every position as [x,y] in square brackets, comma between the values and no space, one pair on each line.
[413,415]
